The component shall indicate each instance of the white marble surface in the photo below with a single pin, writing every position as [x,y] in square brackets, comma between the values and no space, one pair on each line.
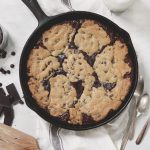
[20,23]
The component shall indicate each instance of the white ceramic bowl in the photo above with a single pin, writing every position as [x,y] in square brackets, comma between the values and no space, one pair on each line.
[4,38]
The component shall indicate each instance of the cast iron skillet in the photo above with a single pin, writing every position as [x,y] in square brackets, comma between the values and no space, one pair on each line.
[44,23]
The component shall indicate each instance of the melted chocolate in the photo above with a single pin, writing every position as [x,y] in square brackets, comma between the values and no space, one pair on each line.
[86,119]
[97,83]
[60,71]
[90,59]
[46,85]
[40,43]
[109,86]
[76,25]
[128,60]
[64,117]
[73,104]
[61,58]
[79,88]
[127,75]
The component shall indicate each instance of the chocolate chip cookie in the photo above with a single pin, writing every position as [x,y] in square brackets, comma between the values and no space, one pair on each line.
[78,71]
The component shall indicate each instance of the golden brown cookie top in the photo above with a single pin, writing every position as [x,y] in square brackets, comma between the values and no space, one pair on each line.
[78,73]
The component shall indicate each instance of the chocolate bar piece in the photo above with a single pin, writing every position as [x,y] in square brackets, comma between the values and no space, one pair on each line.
[4,100]
[15,98]
[9,116]
[1,110]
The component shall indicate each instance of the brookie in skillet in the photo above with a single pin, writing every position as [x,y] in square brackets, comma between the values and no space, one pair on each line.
[79,71]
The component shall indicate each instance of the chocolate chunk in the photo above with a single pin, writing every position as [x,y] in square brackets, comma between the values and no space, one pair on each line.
[79,88]
[9,116]
[2,70]
[4,100]
[46,85]
[12,66]
[64,117]
[96,82]
[13,53]
[3,54]
[15,98]
[2,92]
[86,119]
[109,86]
[1,110]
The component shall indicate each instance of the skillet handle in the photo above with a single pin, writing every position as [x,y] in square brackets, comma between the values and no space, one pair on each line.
[36,10]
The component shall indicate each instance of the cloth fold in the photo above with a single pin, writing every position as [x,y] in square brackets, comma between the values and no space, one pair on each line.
[53,138]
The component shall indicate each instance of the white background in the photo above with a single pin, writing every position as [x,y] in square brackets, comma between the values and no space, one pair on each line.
[20,23]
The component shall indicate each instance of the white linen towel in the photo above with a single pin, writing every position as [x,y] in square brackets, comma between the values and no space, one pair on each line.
[54,138]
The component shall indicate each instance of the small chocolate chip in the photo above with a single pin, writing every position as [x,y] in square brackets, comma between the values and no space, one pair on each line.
[8,72]
[12,66]
[13,53]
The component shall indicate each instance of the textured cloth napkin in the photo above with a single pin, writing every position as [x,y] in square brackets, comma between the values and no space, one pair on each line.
[53,138]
